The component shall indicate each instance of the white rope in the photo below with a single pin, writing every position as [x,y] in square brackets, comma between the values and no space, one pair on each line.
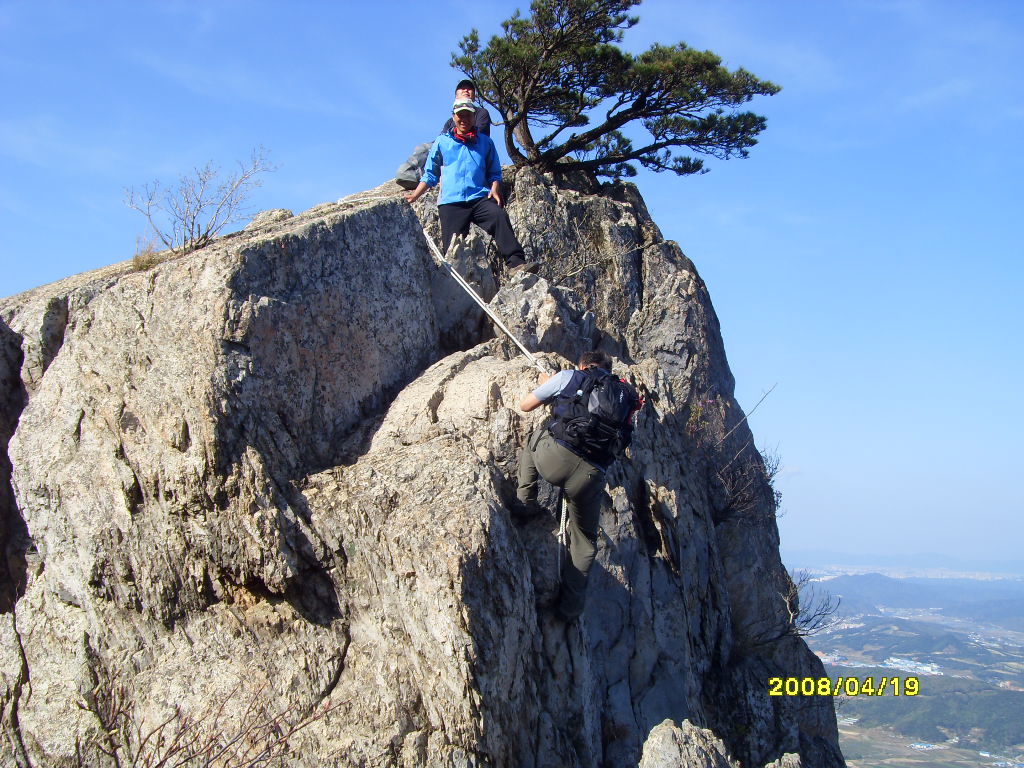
[355,198]
[563,533]
[439,257]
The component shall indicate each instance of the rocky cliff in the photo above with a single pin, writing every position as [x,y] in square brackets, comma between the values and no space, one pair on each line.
[263,489]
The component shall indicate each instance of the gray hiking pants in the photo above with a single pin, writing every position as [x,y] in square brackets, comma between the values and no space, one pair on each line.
[582,484]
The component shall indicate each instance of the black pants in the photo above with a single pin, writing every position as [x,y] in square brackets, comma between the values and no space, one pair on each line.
[486,214]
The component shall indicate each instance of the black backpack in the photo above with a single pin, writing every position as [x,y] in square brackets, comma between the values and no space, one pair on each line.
[596,420]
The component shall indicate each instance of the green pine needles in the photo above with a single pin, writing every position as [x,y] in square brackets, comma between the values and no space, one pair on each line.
[558,72]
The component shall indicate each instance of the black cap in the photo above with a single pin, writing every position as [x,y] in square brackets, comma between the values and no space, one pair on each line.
[466,84]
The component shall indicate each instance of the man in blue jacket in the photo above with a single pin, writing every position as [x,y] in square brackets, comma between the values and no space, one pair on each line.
[409,173]
[466,163]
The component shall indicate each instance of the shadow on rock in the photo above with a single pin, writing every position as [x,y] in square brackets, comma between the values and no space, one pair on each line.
[13,530]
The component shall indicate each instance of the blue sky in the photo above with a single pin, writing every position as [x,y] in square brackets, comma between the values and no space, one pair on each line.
[865,260]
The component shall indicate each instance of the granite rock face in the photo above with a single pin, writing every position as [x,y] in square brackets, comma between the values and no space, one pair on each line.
[274,476]
[669,745]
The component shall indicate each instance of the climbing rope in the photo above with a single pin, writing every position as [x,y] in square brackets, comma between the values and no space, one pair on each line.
[354,199]
[440,259]
[563,531]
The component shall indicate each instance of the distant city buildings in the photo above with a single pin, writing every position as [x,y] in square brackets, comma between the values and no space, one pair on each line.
[909,665]
[900,663]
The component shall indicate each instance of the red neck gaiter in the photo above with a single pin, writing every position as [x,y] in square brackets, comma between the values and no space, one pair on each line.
[469,137]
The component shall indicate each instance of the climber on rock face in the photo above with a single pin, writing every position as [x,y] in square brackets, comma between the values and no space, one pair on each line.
[592,418]
[466,163]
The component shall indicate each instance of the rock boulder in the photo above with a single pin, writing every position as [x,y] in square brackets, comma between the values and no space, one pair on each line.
[271,479]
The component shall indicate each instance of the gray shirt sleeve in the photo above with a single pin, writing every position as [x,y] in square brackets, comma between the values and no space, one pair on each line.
[553,386]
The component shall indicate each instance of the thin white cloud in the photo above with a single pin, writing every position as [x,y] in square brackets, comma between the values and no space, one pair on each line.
[940,95]
[794,61]
[235,82]
[41,141]
[15,204]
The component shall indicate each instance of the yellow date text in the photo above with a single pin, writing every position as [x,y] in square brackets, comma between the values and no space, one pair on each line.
[844,686]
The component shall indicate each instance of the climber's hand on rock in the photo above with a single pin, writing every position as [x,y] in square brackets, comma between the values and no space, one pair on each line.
[417,193]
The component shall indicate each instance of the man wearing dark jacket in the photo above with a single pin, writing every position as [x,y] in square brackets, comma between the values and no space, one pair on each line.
[579,472]
[466,89]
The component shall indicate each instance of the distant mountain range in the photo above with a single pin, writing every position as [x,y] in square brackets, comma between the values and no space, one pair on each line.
[992,601]
[821,559]
[960,637]
[1005,613]
[916,592]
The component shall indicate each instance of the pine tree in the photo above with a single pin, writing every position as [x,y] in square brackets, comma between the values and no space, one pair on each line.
[559,67]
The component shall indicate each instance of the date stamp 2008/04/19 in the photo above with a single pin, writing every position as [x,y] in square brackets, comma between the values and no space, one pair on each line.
[845,686]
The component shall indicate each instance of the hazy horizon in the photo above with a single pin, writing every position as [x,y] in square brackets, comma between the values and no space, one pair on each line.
[922,563]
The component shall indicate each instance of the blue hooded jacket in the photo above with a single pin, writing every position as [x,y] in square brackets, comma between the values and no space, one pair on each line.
[466,171]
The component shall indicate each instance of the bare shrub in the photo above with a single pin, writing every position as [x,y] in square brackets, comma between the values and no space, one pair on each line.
[744,479]
[146,255]
[772,466]
[190,215]
[748,480]
[214,737]
[808,610]
[811,609]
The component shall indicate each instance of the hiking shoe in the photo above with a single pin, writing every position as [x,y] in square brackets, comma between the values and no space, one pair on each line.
[516,264]
[522,510]
[409,184]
